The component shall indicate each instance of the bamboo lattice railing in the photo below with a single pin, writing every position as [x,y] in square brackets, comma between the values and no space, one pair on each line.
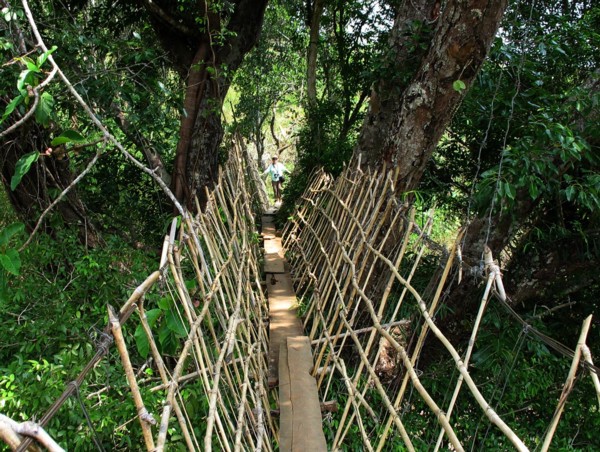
[356,255]
[208,287]
[224,353]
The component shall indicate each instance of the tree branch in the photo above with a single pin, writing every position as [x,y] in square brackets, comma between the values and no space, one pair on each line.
[152,156]
[59,198]
[36,95]
[160,13]
[109,137]
[28,428]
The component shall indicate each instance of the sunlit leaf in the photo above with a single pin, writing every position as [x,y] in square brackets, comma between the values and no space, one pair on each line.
[22,167]
[44,56]
[459,86]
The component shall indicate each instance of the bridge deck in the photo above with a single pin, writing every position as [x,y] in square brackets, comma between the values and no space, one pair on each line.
[290,357]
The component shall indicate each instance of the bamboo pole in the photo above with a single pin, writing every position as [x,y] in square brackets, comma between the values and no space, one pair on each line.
[146,419]
[11,429]
[362,331]
[482,306]
[585,350]
[568,387]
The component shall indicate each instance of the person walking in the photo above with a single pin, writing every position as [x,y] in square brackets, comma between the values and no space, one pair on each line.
[276,170]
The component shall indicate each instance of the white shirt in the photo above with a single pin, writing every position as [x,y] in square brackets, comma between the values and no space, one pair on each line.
[276,170]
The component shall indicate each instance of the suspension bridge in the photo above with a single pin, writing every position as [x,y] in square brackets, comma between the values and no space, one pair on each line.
[299,339]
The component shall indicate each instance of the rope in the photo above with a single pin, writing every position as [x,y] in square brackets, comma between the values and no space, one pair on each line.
[95,437]
[550,342]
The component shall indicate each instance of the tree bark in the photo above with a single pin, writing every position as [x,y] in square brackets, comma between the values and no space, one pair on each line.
[461,40]
[207,60]
[411,26]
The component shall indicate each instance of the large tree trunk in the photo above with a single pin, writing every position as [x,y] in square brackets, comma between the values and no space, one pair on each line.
[208,65]
[413,125]
[411,27]
[432,48]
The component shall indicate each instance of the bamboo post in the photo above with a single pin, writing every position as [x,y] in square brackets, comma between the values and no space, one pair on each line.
[494,271]
[585,350]
[568,387]
[146,419]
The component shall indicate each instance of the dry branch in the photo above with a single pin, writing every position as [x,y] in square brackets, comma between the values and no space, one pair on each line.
[10,429]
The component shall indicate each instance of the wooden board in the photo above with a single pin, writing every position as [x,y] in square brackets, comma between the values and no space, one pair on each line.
[300,418]
[273,264]
[284,321]
[290,358]
[285,400]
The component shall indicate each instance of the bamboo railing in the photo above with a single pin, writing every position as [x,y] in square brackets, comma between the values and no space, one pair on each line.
[356,255]
[357,258]
[208,289]
[224,316]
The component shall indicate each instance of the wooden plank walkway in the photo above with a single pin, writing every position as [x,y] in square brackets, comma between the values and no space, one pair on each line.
[290,356]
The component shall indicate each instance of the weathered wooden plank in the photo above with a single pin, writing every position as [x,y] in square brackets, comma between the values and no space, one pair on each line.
[284,321]
[290,358]
[273,262]
[285,401]
[307,424]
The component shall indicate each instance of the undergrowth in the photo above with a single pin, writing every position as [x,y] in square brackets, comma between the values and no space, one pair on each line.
[50,324]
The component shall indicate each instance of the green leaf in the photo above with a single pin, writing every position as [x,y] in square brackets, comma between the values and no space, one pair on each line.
[152,316]
[164,335]
[11,107]
[9,15]
[8,232]
[175,324]
[165,303]
[141,340]
[26,77]
[44,56]
[11,261]
[44,109]
[68,136]
[533,190]
[22,167]
[31,65]
[459,86]
[511,191]
[570,192]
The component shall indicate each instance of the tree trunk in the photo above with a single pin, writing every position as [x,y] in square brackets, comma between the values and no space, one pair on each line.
[432,48]
[413,124]
[410,27]
[208,60]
